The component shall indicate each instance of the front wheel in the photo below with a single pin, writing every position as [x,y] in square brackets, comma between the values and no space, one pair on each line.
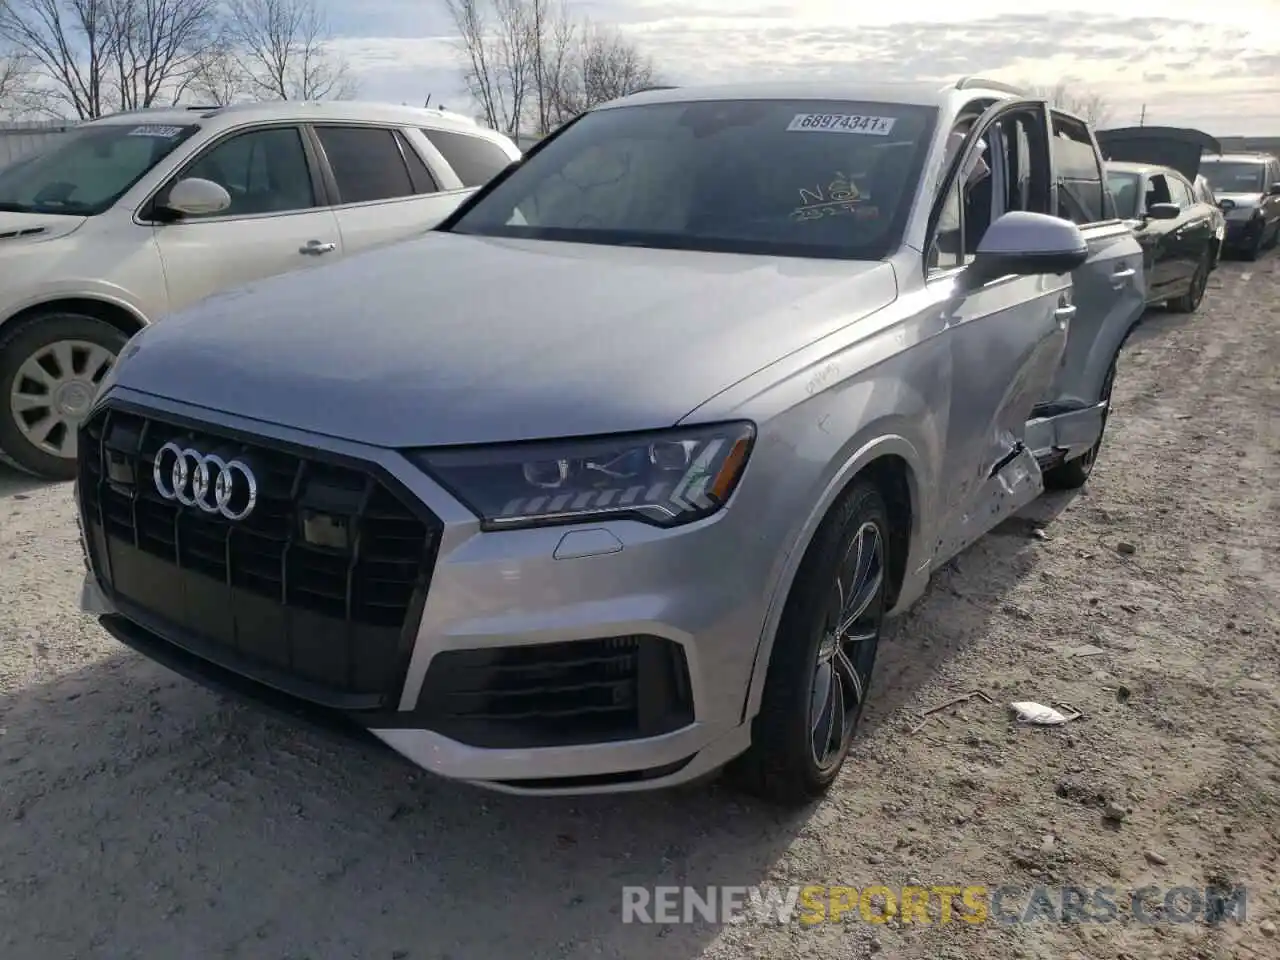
[1190,301]
[1074,474]
[50,369]
[823,655]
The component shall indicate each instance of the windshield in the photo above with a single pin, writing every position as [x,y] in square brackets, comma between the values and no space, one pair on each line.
[1229,177]
[790,178]
[85,171]
[1125,191]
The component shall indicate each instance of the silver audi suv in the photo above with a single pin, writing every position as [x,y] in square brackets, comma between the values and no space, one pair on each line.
[611,480]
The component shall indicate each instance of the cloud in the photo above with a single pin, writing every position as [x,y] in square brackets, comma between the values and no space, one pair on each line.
[1197,66]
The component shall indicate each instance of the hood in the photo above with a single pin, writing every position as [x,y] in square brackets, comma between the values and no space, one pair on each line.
[26,227]
[1177,147]
[451,339]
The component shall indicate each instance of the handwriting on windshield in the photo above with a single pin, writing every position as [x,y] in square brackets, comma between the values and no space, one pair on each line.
[839,197]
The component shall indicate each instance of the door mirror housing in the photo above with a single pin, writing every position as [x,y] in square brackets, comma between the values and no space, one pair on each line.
[1274,190]
[1027,244]
[1164,211]
[194,197]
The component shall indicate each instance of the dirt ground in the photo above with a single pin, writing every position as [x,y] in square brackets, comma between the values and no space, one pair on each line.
[142,817]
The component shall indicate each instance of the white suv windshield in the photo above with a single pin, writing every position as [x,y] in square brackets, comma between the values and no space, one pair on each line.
[785,177]
[1226,176]
[88,169]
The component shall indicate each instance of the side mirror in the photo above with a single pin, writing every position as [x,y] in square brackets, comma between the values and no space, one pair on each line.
[1274,190]
[1164,211]
[1026,244]
[194,197]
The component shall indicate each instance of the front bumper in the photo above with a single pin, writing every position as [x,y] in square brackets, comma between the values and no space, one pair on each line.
[676,645]
[1243,233]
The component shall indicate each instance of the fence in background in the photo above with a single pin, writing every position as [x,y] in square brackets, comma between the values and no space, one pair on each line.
[17,139]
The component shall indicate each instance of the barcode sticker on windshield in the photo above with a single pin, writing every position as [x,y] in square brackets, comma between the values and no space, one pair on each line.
[842,123]
[166,133]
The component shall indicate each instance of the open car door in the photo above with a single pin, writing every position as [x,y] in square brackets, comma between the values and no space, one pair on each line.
[1177,147]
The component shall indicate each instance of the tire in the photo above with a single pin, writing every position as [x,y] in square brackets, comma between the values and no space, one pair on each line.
[91,346]
[786,764]
[1190,301]
[1275,238]
[1074,474]
[1254,250]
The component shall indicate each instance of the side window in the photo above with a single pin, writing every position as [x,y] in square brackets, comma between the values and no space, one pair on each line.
[366,163]
[265,171]
[1180,192]
[475,160]
[947,250]
[1025,163]
[1081,194]
[1158,190]
[423,181]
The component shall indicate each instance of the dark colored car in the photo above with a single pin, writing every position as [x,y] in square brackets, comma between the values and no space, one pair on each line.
[1204,193]
[1247,186]
[1152,174]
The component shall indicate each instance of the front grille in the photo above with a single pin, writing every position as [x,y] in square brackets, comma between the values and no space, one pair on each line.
[329,619]
[556,694]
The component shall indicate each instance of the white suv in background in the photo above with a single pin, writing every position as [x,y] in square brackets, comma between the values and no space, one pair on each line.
[137,214]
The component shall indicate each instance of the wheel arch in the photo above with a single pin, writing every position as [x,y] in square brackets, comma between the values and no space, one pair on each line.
[113,312]
[892,463]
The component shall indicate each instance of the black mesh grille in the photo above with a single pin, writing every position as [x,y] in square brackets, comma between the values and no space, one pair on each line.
[316,591]
[554,694]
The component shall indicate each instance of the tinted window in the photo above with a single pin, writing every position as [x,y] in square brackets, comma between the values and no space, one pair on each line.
[1126,191]
[86,170]
[1081,197]
[791,178]
[475,160]
[265,171]
[1226,176]
[366,162]
[423,181]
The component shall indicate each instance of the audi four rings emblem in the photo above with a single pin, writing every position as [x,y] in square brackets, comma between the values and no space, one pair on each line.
[195,479]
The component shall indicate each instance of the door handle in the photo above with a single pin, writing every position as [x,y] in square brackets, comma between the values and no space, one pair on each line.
[1064,314]
[315,247]
[1124,273]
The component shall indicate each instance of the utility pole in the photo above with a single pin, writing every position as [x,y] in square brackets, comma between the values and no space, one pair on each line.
[428,103]
[1142,120]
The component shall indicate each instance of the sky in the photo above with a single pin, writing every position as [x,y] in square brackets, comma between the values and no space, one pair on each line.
[1215,66]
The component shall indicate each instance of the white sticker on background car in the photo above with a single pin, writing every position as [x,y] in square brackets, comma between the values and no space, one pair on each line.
[842,123]
[166,133]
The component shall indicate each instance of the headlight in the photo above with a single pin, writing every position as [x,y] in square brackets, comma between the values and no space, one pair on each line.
[667,478]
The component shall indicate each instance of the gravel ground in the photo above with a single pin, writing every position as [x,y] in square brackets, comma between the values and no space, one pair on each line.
[141,816]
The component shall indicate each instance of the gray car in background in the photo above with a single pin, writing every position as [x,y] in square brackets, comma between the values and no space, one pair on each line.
[613,478]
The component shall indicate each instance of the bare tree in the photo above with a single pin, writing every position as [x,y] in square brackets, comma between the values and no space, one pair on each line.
[1071,95]
[15,84]
[159,45]
[602,66]
[219,78]
[103,55]
[529,63]
[71,42]
[283,49]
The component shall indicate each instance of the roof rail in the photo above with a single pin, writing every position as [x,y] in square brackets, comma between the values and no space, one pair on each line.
[660,86]
[968,83]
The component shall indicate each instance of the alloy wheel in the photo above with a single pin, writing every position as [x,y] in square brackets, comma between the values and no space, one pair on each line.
[846,654]
[53,391]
